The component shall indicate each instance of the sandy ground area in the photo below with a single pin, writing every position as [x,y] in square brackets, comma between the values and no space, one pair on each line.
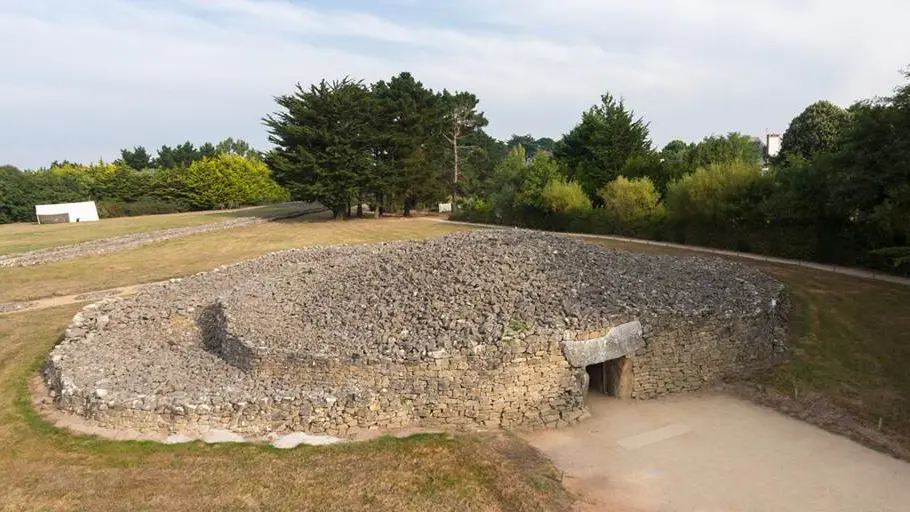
[712,452]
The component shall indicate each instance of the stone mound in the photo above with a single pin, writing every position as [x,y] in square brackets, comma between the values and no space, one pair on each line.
[489,328]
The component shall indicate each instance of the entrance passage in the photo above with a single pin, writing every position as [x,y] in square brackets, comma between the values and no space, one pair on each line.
[612,378]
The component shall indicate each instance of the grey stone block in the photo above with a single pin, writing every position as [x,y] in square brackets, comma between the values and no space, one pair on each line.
[622,340]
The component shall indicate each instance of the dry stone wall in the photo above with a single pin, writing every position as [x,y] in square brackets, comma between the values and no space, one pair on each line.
[524,381]
[685,354]
[483,329]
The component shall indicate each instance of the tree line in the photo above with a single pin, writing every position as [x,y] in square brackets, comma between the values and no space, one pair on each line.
[179,178]
[838,192]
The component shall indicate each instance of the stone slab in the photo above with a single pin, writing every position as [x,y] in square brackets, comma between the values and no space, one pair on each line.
[622,340]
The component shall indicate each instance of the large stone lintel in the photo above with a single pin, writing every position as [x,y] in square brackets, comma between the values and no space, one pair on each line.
[622,340]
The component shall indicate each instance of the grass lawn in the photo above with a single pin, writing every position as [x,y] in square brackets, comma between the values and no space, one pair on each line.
[850,344]
[183,256]
[22,237]
[43,468]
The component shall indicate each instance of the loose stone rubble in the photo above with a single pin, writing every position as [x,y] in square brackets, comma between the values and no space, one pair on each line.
[487,329]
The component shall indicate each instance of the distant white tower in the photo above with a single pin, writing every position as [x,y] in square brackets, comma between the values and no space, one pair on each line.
[773,144]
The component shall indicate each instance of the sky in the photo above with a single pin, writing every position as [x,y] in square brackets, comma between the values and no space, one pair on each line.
[80,79]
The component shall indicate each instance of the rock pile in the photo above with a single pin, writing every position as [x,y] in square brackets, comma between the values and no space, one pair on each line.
[465,330]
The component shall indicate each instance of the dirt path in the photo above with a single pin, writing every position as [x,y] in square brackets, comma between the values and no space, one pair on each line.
[52,302]
[713,452]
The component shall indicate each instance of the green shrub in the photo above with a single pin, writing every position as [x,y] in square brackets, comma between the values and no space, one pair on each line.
[561,196]
[708,195]
[222,181]
[630,205]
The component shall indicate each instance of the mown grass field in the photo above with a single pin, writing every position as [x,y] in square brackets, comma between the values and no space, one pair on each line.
[44,468]
[22,237]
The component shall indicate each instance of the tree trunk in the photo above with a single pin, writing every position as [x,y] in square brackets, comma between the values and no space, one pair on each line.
[455,134]
[359,209]
[407,207]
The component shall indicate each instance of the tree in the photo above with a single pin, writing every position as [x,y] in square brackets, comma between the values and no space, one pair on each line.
[676,150]
[720,149]
[536,174]
[596,150]
[237,147]
[632,204]
[323,140]
[649,165]
[817,129]
[532,145]
[138,159]
[409,145]
[870,172]
[478,166]
[518,183]
[178,156]
[508,183]
[206,150]
[15,195]
[546,144]
[462,120]
[707,196]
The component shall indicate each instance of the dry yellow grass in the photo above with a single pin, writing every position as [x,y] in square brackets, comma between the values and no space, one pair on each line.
[197,253]
[22,237]
[28,237]
[43,468]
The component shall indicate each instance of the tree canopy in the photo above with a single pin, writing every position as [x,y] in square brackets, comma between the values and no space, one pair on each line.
[595,151]
[392,144]
[817,129]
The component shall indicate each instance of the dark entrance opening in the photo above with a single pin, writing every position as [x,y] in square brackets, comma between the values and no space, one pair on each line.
[612,378]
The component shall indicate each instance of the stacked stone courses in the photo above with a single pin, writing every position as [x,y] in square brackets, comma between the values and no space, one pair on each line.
[484,329]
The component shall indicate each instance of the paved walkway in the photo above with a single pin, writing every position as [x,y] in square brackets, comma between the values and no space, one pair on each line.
[712,452]
[836,269]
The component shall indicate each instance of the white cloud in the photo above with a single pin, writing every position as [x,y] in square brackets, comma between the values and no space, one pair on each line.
[82,79]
